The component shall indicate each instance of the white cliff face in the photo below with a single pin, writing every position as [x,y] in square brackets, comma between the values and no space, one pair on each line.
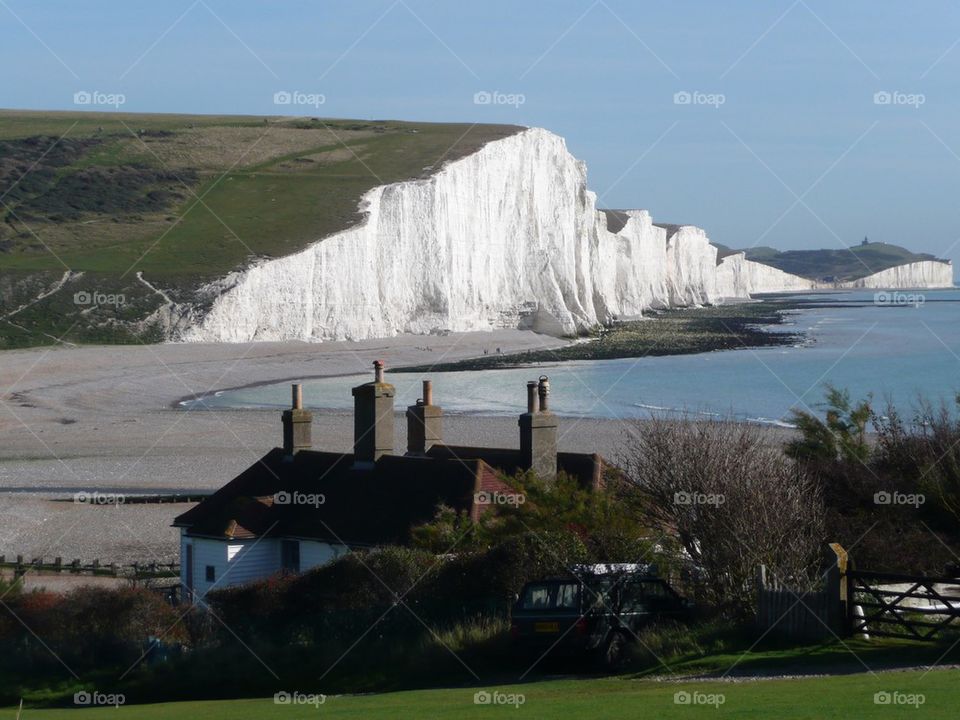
[508,236]
[923,274]
[742,277]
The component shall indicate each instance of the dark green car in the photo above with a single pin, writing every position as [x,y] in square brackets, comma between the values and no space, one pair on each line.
[598,609]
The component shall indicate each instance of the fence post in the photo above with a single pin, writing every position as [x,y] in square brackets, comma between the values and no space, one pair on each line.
[763,598]
[838,588]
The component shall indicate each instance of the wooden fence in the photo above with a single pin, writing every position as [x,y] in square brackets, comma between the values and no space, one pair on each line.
[859,602]
[788,612]
[905,606]
[140,571]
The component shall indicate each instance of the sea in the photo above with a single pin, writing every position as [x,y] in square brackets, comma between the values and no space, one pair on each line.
[896,347]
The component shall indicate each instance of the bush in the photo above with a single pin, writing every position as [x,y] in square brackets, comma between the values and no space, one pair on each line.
[89,627]
[733,500]
[914,456]
[925,455]
[604,520]
[841,435]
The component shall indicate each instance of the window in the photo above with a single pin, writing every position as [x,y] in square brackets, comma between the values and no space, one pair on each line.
[552,596]
[536,597]
[211,573]
[597,592]
[641,596]
[567,595]
[290,555]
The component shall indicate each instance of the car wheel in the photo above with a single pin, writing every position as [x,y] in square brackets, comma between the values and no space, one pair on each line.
[615,652]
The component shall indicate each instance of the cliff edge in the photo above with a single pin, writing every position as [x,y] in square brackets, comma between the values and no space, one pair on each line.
[509,236]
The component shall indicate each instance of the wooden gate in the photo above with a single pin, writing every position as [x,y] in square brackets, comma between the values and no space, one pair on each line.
[904,606]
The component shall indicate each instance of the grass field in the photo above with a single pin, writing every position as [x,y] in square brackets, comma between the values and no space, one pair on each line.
[827,679]
[184,199]
[268,185]
[851,696]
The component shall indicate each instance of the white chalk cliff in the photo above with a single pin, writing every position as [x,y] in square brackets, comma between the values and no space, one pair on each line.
[508,236]
[922,274]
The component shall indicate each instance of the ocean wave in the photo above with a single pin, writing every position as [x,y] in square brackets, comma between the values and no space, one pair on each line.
[771,421]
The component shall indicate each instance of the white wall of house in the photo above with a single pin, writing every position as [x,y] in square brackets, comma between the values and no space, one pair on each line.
[237,562]
[314,553]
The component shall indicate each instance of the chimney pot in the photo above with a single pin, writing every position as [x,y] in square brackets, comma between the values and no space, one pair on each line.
[297,424]
[532,401]
[373,418]
[544,392]
[424,423]
[538,432]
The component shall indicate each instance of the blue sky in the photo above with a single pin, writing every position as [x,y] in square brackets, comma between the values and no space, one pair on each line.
[782,143]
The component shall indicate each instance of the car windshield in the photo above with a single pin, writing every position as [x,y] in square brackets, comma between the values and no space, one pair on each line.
[636,594]
[551,596]
[598,591]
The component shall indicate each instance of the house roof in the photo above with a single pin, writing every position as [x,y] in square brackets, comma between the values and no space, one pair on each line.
[329,498]
[333,500]
[587,468]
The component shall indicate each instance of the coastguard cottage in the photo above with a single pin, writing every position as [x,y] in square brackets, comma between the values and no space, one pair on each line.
[298,507]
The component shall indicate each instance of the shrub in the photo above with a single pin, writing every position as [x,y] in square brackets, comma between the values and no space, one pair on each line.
[733,500]
[90,627]
[911,456]
[841,435]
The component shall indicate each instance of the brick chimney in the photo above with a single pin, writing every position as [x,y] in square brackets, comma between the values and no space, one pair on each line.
[373,418]
[424,423]
[297,424]
[538,432]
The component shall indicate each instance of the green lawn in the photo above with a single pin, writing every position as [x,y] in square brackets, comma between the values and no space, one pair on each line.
[850,696]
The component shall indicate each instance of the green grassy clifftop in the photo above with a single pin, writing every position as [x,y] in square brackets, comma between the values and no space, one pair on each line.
[840,265]
[184,199]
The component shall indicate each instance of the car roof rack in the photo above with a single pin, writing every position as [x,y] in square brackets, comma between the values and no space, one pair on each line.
[647,569]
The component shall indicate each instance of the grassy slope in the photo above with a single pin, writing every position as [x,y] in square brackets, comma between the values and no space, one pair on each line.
[117,193]
[615,698]
[268,188]
[841,264]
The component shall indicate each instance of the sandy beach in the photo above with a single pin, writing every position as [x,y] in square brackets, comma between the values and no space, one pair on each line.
[106,418]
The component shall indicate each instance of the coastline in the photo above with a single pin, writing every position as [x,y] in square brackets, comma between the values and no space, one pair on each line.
[93,418]
[98,417]
[677,331]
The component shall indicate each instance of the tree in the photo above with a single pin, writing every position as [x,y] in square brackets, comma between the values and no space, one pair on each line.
[605,519]
[733,500]
[923,453]
[841,435]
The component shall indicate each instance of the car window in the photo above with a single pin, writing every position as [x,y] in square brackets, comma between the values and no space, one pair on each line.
[551,596]
[636,594]
[597,592]
[536,597]
[567,596]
